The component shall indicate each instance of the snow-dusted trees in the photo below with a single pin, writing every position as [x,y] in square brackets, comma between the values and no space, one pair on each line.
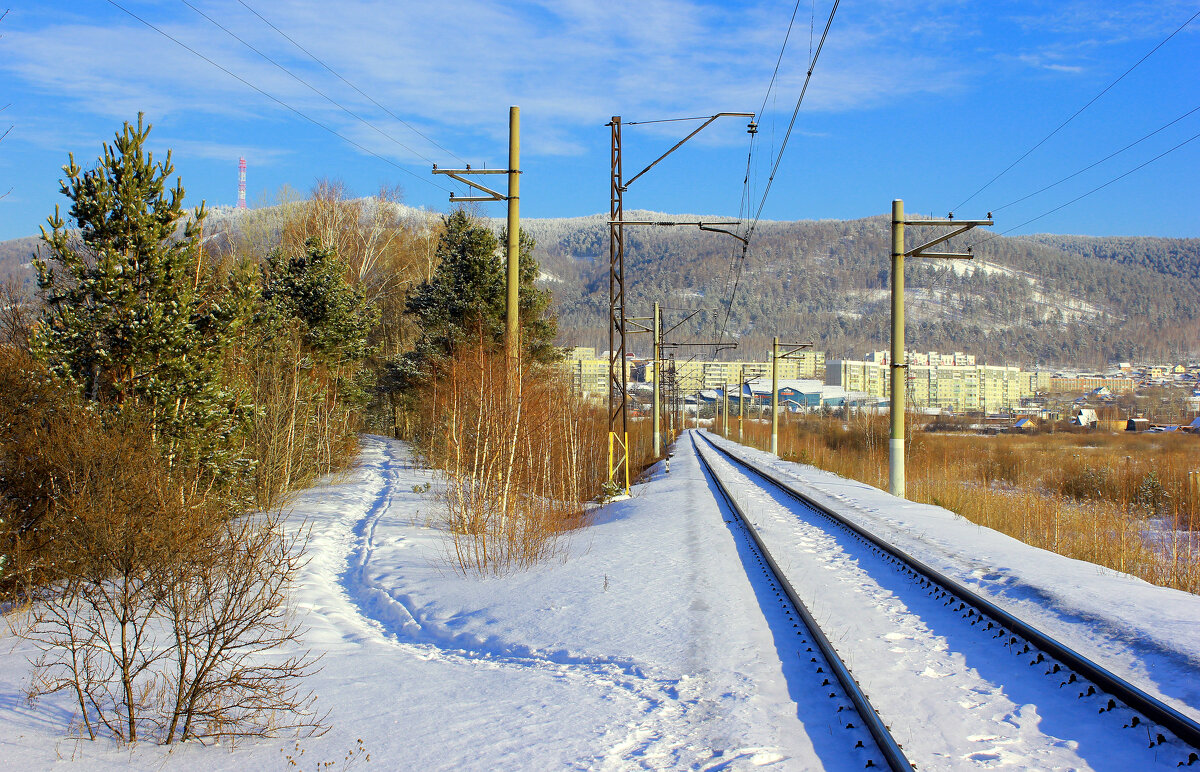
[302,360]
[311,287]
[157,598]
[123,319]
[464,300]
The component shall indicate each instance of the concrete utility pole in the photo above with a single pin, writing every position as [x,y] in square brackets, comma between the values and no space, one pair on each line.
[673,398]
[725,409]
[512,309]
[741,399]
[512,324]
[899,365]
[775,395]
[792,348]
[896,443]
[657,364]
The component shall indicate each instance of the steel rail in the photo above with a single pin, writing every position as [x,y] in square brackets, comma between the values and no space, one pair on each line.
[887,744]
[1183,727]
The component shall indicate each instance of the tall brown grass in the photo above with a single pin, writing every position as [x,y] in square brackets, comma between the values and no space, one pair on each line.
[520,454]
[1121,501]
[518,457]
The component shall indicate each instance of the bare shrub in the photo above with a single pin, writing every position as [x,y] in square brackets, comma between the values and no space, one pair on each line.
[1086,480]
[18,312]
[299,430]
[166,613]
[226,606]
[34,411]
[519,455]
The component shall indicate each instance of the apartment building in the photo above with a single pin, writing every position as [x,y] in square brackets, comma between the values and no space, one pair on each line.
[989,388]
[705,374]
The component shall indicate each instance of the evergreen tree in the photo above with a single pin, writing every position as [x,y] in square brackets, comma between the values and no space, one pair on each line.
[466,298]
[123,318]
[312,288]
[335,318]
[539,326]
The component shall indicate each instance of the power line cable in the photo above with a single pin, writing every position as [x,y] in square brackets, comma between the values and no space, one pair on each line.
[779,59]
[791,124]
[305,83]
[736,259]
[276,99]
[312,56]
[1093,165]
[812,63]
[1096,189]
[1075,115]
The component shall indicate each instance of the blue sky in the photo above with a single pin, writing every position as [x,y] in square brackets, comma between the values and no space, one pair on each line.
[921,101]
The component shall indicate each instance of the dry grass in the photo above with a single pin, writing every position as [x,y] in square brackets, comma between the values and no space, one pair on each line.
[1118,500]
[520,454]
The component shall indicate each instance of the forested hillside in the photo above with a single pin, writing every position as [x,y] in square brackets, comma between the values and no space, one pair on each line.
[15,256]
[1029,300]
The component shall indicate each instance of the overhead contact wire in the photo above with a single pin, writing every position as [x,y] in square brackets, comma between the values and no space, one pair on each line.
[744,209]
[276,99]
[1091,166]
[812,64]
[1096,189]
[1076,114]
[792,123]
[365,95]
[305,83]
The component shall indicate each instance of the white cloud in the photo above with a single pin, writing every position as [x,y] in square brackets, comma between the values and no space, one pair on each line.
[452,68]
[219,151]
[1045,61]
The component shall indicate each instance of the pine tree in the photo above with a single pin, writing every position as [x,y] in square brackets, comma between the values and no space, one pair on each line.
[123,318]
[466,298]
[312,288]
[334,317]
[539,325]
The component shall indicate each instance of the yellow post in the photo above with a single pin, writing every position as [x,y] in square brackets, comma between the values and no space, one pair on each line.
[626,463]
[611,437]
[512,305]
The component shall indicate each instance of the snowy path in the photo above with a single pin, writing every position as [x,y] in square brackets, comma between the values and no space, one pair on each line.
[646,647]
[650,645]
[657,703]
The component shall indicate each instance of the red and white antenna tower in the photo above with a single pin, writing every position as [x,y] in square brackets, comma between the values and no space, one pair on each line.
[241,183]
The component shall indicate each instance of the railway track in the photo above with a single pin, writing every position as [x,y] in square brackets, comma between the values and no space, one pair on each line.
[889,750]
[1171,738]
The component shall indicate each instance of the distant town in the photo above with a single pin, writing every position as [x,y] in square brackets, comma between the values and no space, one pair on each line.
[1127,395]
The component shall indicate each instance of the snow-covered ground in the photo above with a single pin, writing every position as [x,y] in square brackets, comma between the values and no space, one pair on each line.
[649,645]
[954,695]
